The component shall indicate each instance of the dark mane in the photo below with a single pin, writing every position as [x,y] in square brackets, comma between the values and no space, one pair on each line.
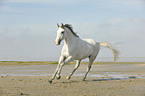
[71,29]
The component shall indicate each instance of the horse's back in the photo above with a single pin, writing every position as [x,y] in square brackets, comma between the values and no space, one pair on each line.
[91,41]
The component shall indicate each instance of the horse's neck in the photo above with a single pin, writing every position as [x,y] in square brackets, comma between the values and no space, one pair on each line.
[70,39]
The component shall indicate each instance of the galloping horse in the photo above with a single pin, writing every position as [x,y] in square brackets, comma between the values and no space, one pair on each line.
[77,49]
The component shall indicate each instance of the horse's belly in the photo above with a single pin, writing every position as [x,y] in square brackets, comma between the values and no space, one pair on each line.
[79,57]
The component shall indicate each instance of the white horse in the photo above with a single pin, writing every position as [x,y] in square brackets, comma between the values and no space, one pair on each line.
[77,49]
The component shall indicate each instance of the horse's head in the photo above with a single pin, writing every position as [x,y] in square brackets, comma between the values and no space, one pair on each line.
[60,34]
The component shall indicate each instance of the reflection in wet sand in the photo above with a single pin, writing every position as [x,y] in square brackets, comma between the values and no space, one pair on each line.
[120,71]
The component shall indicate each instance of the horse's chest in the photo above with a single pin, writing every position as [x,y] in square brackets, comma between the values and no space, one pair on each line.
[67,51]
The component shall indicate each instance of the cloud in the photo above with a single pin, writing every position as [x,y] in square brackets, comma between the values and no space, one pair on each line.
[127,2]
[42,1]
[132,2]
[29,1]
[32,29]
[27,41]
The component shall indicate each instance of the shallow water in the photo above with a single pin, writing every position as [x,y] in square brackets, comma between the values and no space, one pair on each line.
[99,70]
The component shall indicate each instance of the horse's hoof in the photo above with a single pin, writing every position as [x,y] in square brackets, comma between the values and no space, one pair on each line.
[58,77]
[50,81]
[84,79]
[68,77]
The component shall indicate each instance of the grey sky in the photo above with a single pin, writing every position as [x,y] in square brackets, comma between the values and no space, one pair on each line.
[28,27]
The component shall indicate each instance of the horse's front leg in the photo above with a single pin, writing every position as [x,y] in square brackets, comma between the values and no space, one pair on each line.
[61,59]
[67,60]
[76,67]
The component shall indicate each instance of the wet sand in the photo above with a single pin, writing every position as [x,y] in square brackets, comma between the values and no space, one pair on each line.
[99,82]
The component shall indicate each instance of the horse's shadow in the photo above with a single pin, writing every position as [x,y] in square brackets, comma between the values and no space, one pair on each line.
[111,79]
[103,79]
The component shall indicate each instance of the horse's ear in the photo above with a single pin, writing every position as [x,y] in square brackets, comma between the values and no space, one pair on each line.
[62,25]
[58,25]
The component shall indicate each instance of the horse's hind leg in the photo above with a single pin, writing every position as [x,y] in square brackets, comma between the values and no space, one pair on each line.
[76,67]
[91,59]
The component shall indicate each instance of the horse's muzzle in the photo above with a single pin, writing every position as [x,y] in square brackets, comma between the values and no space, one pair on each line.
[57,42]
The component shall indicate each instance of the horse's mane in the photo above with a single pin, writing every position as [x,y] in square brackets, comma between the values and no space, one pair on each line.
[71,29]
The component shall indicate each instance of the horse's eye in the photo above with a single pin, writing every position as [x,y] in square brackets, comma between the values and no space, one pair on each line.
[62,32]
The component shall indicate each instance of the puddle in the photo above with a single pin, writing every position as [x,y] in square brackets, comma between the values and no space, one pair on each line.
[47,70]
[112,75]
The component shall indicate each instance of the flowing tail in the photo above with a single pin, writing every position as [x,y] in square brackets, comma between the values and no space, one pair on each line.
[114,51]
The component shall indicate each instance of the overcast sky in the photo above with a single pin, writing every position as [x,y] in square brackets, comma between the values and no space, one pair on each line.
[28,27]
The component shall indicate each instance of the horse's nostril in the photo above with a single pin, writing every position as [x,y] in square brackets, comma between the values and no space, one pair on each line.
[57,42]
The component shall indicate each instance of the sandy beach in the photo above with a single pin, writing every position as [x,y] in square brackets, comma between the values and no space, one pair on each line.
[103,80]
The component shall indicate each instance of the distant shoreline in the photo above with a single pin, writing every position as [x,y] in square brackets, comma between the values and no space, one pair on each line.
[56,62]
[98,59]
